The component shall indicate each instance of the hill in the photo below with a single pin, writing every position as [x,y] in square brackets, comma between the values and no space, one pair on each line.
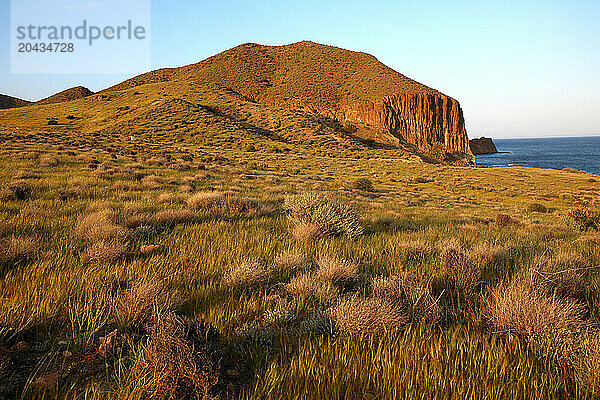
[11,102]
[304,96]
[70,94]
[347,86]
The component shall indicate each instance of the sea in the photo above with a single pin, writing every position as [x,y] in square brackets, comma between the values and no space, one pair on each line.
[581,153]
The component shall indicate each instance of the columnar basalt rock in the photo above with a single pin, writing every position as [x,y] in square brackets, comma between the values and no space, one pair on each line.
[421,119]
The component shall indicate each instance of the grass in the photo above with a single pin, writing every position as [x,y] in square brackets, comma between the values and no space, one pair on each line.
[141,275]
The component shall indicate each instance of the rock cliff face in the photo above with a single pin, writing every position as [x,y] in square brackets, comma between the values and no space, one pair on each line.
[483,145]
[422,119]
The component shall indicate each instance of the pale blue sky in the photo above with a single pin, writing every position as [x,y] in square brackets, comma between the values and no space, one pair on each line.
[518,68]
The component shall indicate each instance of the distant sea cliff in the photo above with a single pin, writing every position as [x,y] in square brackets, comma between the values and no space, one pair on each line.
[482,145]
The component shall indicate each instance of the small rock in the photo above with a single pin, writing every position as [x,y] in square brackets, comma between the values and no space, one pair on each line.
[148,248]
[46,382]
[20,347]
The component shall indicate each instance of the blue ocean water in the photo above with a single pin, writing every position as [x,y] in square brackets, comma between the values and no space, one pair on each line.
[581,153]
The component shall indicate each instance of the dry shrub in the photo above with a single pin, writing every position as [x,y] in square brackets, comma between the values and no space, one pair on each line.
[48,160]
[105,252]
[322,216]
[138,219]
[246,274]
[409,295]
[519,310]
[306,285]
[305,231]
[141,303]
[151,182]
[537,207]
[338,272]
[590,238]
[505,220]
[173,217]
[567,275]
[169,197]
[98,227]
[460,272]
[15,248]
[291,262]
[182,360]
[488,255]
[588,365]
[225,204]
[17,190]
[372,315]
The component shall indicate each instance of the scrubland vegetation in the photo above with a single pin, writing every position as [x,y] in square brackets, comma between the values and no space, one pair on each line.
[191,272]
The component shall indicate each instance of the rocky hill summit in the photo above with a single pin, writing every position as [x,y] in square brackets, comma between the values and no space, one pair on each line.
[351,87]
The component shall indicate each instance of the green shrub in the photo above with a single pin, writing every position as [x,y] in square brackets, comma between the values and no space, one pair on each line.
[537,207]
[363,184]
[329,217]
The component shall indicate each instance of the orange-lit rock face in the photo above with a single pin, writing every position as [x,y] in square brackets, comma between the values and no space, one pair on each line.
[420,119]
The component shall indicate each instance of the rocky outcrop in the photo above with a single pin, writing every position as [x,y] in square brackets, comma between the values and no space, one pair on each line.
[482,145]
[422,119]
[11,102]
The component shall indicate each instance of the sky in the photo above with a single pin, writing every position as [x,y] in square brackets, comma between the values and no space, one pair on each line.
[518,68]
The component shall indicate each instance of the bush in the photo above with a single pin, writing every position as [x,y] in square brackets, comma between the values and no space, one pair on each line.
[340,273]
[17,190]
[460,273]
[565,276]
[141,303]
[410,296]
[308,286]
[584,219]
[15,248]
[537,207]
[504,220]
[525,313]
[182,360]
[371,315]
[48,160]
[324,216]
[363,184]
[246,274]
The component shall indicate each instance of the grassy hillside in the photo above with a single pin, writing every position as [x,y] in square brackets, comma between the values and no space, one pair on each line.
[162,267]
[11,102]
[303,73]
